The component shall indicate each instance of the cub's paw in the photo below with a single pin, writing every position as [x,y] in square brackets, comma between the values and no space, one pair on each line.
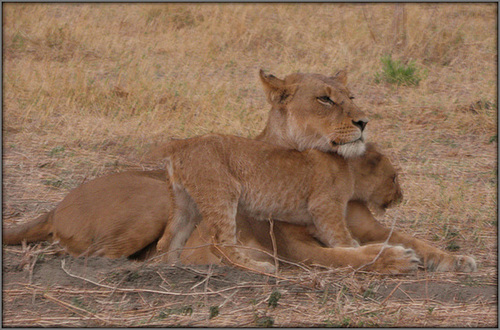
[352,243]
[250,264]
[391,259]
[262,267]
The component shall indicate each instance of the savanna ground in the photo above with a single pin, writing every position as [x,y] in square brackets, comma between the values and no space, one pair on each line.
[87,88]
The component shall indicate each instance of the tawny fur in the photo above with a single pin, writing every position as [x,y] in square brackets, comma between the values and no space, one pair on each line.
[98,220]
[215,176]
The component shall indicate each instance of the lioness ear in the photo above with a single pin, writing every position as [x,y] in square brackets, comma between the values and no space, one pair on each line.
[341,77]
[277,91]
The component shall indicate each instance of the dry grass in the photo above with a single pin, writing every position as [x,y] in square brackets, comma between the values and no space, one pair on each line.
[123,294]
[87,87]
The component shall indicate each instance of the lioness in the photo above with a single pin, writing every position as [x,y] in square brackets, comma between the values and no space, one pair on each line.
[125,214]
[215,176]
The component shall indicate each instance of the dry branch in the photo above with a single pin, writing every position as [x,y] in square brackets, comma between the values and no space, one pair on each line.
[77,310]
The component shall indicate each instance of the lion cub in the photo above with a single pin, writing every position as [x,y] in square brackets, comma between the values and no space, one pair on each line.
[215,176]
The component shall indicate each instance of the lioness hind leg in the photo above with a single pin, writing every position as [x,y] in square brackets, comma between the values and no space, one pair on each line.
[367,229]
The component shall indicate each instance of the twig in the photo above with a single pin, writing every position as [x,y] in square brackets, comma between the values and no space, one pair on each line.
[207,276]
[205,289]
[247,268]
[273,241]
[75,309]
[391,293]
[381,250]
[191,270]
[22,322]
[163,278]
[32,267]
[228,298]
[156,291]
[269,254]
[58,290]
[406,294]
[235,246]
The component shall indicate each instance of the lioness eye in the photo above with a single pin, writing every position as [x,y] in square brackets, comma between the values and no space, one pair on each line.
[325,99]
[351,97]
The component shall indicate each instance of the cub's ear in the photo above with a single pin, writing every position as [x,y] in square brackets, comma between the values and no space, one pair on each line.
[371,147]
[341,77]
[373,160]
[372,156]
[276,90]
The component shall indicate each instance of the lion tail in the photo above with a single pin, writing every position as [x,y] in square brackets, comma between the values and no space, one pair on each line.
[39,229]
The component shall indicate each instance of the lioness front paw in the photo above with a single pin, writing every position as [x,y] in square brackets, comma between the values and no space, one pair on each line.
[391,259]
[451,263]
[465,264]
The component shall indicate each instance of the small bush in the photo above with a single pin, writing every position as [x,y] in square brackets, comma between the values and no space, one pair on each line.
[56,183]
[273,299]
[57,151]
[452,246]
[214,311]
[264,322]
[396,72]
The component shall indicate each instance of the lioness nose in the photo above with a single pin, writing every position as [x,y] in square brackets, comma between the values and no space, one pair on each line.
[360,123]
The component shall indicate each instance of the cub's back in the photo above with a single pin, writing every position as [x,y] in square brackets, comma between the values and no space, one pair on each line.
[244,158]
[273,180]
[248,160]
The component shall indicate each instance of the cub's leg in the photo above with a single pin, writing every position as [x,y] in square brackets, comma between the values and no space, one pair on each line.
[328,214]
[367,229]
[217,207]
[221,219]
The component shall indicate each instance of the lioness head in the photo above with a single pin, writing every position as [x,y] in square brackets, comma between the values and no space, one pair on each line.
[376,180]
[312,111]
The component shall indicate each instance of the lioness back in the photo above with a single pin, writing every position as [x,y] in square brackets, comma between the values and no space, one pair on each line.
[112,215]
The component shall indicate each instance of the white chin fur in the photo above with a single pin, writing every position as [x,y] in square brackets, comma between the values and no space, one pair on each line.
[350,150]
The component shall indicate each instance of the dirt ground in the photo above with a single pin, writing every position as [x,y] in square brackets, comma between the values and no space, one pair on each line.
[43,287]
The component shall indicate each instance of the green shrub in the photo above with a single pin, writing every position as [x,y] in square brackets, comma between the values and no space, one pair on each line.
[273,299]
[396,72]
[214,311]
